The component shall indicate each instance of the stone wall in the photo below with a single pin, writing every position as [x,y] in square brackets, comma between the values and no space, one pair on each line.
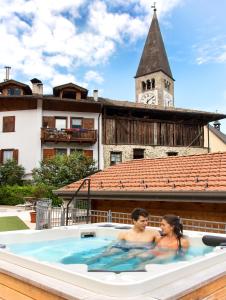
[149,151]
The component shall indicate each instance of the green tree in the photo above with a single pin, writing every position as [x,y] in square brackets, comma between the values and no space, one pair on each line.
[11,173]
[62,169]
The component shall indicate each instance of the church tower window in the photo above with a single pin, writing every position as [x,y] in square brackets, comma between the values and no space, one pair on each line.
[148,84]
[153,83]
[143,86]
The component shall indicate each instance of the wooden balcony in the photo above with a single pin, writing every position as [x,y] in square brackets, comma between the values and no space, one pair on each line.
[69,135]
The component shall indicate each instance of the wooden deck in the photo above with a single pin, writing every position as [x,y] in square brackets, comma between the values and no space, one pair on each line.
[15,289]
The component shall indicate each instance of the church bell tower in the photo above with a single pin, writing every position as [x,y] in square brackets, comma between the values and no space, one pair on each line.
[154,80]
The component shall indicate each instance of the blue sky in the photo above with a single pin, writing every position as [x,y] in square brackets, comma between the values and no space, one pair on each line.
[98,44]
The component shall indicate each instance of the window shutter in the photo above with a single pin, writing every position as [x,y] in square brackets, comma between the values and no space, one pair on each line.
[88,123]
[15,154]
[8,124]
[48,153]
[1,156]
[88,153]
[48,122]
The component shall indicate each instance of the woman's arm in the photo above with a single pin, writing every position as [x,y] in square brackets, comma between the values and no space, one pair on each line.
[185,243]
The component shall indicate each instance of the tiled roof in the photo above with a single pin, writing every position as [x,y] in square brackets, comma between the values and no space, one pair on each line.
[200,173]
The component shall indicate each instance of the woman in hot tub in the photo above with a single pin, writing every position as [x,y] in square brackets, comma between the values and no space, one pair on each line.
[172,244]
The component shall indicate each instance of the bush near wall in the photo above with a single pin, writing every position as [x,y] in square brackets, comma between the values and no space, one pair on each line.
[14,194]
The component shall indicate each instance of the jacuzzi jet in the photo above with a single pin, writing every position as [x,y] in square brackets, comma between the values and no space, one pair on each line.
[88,234]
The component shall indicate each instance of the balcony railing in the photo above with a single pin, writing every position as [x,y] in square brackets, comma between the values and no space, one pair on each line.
[79,135]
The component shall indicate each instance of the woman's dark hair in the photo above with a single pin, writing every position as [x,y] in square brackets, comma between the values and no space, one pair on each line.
[137,212]
[175,222]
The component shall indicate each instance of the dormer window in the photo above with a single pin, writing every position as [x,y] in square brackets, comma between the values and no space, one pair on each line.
[70,91]
[14,91]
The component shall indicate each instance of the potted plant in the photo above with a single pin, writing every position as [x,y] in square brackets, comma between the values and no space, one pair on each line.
[33,216]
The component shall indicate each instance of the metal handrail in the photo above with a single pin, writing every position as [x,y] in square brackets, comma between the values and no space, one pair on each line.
[75,194]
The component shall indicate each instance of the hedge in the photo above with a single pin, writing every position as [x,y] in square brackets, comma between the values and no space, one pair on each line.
[13,195]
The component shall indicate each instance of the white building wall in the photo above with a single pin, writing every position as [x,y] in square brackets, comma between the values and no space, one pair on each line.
[26,137]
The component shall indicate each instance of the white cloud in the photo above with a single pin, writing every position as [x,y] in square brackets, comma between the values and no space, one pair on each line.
[60,79]
[48,38]
[93,76]
[211,50]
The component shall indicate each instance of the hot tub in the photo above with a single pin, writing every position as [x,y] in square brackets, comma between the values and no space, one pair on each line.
[157,282]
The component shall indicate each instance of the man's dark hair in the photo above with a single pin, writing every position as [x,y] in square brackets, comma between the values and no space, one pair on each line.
[137,212]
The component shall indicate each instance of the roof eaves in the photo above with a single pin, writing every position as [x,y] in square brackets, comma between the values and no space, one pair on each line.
[168,196]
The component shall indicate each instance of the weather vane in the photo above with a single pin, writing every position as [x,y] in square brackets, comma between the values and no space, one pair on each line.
[154,6]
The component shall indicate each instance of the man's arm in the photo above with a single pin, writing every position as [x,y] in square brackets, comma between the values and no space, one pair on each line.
[122,236]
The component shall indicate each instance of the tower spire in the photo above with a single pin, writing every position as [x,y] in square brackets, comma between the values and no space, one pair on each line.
[154,57]
[154,80]
[154,6]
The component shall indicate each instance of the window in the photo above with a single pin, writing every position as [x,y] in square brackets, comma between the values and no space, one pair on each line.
[76,123]
[61,151]
[14,92]
[153,83]
[143,86]
[138,153]
[148,84]
[8,124]
[167,84]
[115,158]
[60,123]
[7,155]
[172,153]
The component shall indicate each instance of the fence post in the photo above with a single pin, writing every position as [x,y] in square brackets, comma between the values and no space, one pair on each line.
[62,216]
[49,212]
[109,216]
[43,211]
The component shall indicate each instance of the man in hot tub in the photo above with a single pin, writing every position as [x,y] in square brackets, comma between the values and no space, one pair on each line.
[133,241]
[138,233]
[129,243]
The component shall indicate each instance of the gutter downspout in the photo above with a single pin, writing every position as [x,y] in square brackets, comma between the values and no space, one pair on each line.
[98,139]
[208,137]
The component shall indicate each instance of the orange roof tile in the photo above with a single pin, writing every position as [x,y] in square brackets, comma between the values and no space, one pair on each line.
[205,172]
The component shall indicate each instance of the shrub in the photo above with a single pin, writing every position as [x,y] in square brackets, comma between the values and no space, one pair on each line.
[13,195]
[62,169]
[11,173]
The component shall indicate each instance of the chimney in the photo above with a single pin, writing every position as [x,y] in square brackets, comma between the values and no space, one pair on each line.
[7,70]
[217,125]
[95,95]
[37,86]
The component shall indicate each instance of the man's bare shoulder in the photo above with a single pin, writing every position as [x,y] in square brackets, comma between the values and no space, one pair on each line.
[122,235]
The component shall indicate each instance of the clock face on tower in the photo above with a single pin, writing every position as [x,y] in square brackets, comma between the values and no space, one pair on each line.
[148,98]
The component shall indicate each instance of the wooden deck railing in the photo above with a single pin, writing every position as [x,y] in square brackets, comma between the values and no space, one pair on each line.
[69,135]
